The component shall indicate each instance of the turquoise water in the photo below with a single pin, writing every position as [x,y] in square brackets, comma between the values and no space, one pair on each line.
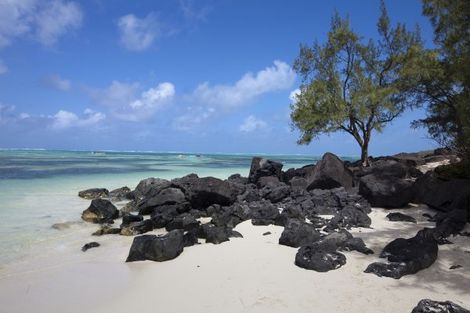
[39,188]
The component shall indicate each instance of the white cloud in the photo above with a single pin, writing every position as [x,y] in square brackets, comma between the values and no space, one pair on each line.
[3,67]
[138,34]
[293,95]
[251,123]
[65,119]
[273,78]
[56,19]
[126,103]
[45,20]
[194,117]
[192,13]
[56,82]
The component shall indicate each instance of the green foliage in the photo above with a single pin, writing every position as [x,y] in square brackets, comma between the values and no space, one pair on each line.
[444,80]
[452,171]
[353,85]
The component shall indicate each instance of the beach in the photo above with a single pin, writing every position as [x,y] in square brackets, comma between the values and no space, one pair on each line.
[250,274]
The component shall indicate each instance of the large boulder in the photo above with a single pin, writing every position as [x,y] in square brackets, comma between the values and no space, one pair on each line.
[155,248]
[148,184]
[93,193]
[440,194]
[261,167]
[203,192]
[232,215]
[263,213]
[298,233]
[100,211]
[330,172]
[430,306]
[158,198]
[406,256]
[385,191]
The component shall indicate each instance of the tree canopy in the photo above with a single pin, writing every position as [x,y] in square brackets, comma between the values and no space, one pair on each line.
[354,85]
[444,75]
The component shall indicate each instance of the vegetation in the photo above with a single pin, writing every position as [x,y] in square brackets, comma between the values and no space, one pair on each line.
[451,171]
[353,85]
[444,80]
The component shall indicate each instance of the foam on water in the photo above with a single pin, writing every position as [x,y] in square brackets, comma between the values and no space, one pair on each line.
[39,188]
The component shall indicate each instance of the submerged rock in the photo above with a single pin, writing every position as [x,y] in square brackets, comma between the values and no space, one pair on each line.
[93,193]
[100,211]
[155,248]
[430,306]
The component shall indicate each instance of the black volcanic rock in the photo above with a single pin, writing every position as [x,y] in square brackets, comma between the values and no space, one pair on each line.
[90,245]
[384,191]
[400,217]
[298,233]
[156,199]
[261,167]
[330,172]
[406,256]
[100,211]
[137,228]
[430,306]
[320,260]
[93,193]
[157,248]
[119,194]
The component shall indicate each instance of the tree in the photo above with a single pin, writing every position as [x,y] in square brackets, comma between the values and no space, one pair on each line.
[444,80]
[352,85]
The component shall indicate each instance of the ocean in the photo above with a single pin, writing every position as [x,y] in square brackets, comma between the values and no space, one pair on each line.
[39,188]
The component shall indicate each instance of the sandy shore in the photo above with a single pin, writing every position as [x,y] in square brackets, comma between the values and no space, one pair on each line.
[250,274]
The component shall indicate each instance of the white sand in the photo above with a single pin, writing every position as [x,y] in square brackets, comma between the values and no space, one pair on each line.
[251,274]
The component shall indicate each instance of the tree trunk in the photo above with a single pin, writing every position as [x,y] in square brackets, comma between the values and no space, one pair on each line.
[365,154]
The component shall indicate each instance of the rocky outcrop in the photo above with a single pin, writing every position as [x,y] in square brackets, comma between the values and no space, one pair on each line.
[157,248]
[93,193]
[406,256]
[430,306]
[100,211]
[330,172]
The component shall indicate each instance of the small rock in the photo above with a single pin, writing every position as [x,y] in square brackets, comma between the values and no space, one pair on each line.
[453,267]
[93,193]
[430,306]
[90,245]
[267,233]
[399,217]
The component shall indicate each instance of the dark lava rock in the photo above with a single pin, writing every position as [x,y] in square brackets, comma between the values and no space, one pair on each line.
[214,234]
[298,183]
[137,228]
[237,179]
[267,233]
[164,215]
[400,217]
[430,306]
[120,194]
[387,192]
[93,193]
[148,184]
[454,267]
[298,233]
[288,213]
[206,191]
[391,167]
[263,213]
[406,256]
[263,167]
[190,238]
[157,248]
[107,230]
[168,196]
[342,240]
[275,193]
[320,260]
[330,172]
[100,211]
[131,218]
[348,217]
[184,221]
[90,245]
[232,215]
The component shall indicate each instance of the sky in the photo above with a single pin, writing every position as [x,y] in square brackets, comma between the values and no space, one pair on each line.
[175,75]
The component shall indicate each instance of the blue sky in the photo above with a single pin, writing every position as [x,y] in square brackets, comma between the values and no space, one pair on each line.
[193,76]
